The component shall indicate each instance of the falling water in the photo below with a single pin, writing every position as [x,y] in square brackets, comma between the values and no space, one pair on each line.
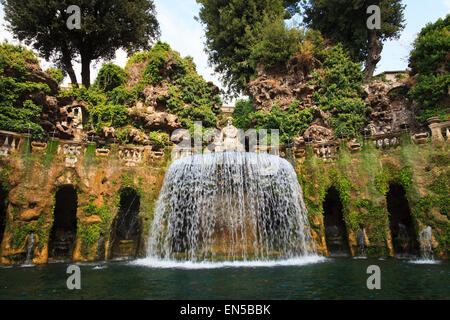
[31,243]
[426,243]
[230,206]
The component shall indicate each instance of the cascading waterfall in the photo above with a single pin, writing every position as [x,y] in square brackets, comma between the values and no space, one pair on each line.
[230,206]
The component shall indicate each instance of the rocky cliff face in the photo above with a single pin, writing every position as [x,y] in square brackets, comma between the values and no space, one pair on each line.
[284,84]
[390,107]
[293,82]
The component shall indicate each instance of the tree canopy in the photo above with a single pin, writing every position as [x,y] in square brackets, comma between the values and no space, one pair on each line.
[345,21]
[233,28]
[430,64]
[105,27]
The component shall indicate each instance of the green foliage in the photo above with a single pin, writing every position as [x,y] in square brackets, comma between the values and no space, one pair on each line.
[56,74]
[430,91]
[430,60]
[290,122]
[110,77]
[431,47]
[90,234]
[108,115]
[278,44]
[345,22]
[18,112]
[101,110]
[392,174]
[233,28]
[21,231]
[342,92]
[13,60]
[243,114]
[189,96]
[156,60]
[105,28]
[92,96]
[159,139]
[122,95]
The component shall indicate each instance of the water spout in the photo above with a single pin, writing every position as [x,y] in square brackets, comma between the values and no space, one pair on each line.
[31,244]
[230,206]
[426,243]
[361,240]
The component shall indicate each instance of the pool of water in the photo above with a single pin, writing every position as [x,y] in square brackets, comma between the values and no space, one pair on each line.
[291,280]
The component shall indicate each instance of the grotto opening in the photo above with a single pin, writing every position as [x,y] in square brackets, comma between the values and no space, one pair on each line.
[64,230]
[126,226]
[403,233]
[335,231]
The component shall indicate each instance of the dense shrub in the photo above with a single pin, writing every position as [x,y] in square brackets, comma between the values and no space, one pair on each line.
[189,96]
[342,92]
[278,44]
[18,112]
[430,59]
[108,115]
[290,122]
[110,77]
[56,73]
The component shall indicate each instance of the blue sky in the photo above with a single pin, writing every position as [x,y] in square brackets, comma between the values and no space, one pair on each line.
[186,35]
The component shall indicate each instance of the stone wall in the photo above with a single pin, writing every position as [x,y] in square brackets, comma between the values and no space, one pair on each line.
[363,179]
[361,171]
[32,174]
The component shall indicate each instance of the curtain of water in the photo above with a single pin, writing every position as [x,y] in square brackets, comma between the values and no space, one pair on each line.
[230,206]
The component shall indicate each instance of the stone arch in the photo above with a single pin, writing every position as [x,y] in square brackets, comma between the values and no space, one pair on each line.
[336,236]
[403,233]
[3,210]
[126,228]
[64,229]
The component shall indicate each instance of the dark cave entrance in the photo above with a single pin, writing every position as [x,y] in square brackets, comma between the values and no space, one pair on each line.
[335,231]
[3,208]
[64,230]
[403,234]
[127,225]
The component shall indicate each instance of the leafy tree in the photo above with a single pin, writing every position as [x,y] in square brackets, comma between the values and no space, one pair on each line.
[341,91]
[430,63]
[105,27]
[277,45]
[18,111]
[345,21]
[110,77]
[56,73]
[233,28]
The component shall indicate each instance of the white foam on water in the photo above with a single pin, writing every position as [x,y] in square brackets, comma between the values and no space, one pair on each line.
[173,264]
[424,261]
[99,267]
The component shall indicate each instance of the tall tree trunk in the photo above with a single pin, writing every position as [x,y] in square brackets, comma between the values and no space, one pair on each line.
[67,62]
[374,56]
[70,72]
[86,71]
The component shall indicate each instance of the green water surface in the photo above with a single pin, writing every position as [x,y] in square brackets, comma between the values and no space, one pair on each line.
[332,279]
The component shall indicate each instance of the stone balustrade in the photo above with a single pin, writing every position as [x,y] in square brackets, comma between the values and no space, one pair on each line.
[387,140]
[437,128]
[9,142]
[131,156]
